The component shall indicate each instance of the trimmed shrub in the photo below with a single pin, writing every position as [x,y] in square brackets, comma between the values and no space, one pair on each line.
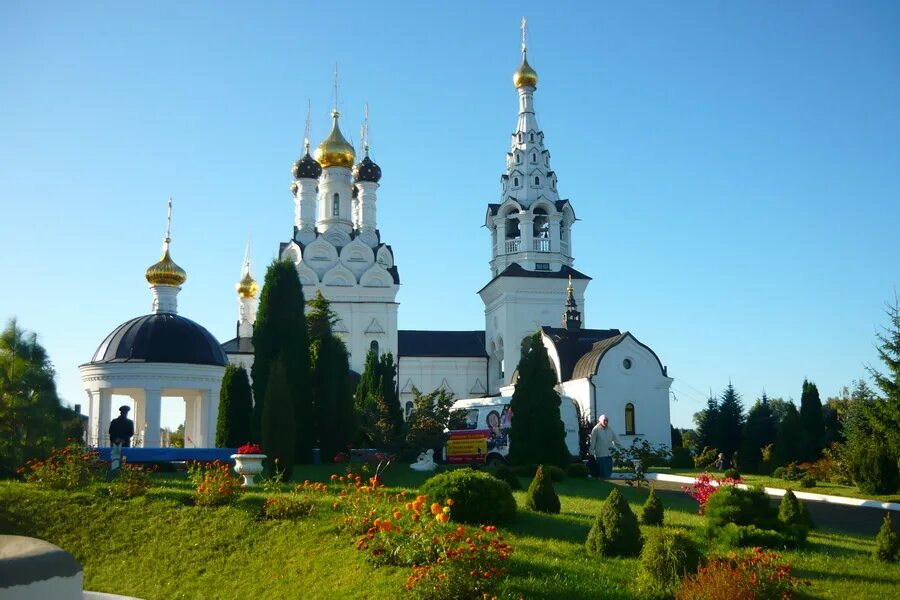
[750,536]
[808,481]
[652,513]
[505,473]
[778,473]
[731,504]
[706,458]
[615,531]
[874,469]
[577,470]
[887,542]
[667,556]
[681,459]
[478,497]
[731,474]
[792,511]
[540,495]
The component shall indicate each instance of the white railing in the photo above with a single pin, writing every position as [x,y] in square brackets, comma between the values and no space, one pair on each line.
[542,245]
[513,246]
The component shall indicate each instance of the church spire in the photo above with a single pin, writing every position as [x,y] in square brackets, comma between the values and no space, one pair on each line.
[571,316]
[247,290]
[165,277]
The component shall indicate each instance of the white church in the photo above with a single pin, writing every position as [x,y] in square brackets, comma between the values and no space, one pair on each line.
[337,249]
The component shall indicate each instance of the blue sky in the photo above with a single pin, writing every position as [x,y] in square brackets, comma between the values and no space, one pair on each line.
[735,166]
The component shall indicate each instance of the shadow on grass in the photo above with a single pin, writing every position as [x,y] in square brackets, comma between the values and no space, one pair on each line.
[824,576]
[540,525]
[581,579]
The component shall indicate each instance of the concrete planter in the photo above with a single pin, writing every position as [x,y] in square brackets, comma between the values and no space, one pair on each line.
[248,466]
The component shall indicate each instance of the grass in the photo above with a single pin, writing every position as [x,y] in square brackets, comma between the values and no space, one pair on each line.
[821,487]
[160,546]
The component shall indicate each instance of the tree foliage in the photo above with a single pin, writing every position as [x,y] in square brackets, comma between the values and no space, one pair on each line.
[537,434]
[813,424]
[278,413]
[707,422]
[886,412]
[429,418]
[730,421]
[788,444]
[280,333]
[233,426]
[377,403]
[541,496]
[759,431]
[32,421]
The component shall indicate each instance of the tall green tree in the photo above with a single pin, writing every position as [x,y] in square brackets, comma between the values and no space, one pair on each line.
[788,439]
[332,396]
[280,333]
[278,413]
[731,421]
[377,404]
[887,411]
[537,434]
[427,422]
[813,424]
[759,431]
[235,409]
[32,421]
[708,434]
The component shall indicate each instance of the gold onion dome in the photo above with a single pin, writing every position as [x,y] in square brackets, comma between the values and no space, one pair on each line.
[335,150]
[525,76]
[165,272]
[247,287]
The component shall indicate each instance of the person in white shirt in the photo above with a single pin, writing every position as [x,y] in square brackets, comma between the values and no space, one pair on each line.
[602,440]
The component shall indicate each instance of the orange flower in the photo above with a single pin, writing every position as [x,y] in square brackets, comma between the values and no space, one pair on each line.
[435,508]
[449,501]
[443,517]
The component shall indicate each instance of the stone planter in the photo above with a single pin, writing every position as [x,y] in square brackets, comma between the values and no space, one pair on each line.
[248,466]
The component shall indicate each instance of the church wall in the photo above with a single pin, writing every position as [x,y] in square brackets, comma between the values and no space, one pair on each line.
[643,385]
[464,376]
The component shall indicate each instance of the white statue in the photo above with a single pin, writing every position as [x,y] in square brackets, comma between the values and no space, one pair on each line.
[425,462]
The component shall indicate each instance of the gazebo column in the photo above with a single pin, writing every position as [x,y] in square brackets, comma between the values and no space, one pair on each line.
[104,416]
[206,426]
[152,414]
[140,418]
[191,406]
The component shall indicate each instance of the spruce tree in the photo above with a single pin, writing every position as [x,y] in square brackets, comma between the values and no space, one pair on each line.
[759,431]
[235,409]
[887,542]
[537,434]
[707,422]
[280,333]
[788,446]
[811,417]
[541,496]
[887,411]
[277,439]
[377,404]
[653,512]
[330,366]
[731,422]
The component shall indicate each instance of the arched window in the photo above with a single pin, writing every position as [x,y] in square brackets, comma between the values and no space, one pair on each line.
[512,226]
[541,225]
[374,347]
[336,206]
[408,409]
[534,158]
[629,419]
[537,181]
[531,135]
[515,182]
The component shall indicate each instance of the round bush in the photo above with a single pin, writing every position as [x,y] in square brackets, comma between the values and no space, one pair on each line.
[730,504]
[732,474]
[778,473]
[540,495]
[478,497]
[793,512]
[667,556]
[808,481]
[615,531]
[577,470]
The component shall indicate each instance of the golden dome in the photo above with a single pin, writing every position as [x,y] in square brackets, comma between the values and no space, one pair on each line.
[165,272]
[247,287]
[335,151]
[525,76]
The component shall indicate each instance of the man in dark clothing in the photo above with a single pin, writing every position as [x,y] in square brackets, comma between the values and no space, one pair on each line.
[121,429]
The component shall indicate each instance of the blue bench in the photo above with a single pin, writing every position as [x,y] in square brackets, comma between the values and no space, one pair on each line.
[154,455]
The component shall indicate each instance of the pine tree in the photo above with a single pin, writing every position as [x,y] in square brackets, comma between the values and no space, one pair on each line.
[759,431]
[235,409]
[330,365]
[788,447]
[537,434]
[887,542]
[278,413]
[707,422]
[377,404]
[887,411]
[730,421]
[811,417]
[615,531]
[541,496]
[280,333]
[652,513]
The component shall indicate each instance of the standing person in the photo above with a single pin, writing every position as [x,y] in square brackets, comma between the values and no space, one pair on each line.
[121,429]
[602,439]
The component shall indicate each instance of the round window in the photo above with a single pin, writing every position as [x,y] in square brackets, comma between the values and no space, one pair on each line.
[626,363]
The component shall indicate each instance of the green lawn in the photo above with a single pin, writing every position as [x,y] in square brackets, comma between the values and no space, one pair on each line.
[161,547]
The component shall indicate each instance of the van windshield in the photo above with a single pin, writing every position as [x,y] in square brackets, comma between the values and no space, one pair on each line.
[463,418]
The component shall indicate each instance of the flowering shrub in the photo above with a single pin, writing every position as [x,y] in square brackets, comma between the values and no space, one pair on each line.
[131,481]
[214,483]
[758,574]
[67,469]
[249,448]
[705,486]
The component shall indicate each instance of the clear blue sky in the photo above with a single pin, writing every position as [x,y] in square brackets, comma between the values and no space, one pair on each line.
[735,166]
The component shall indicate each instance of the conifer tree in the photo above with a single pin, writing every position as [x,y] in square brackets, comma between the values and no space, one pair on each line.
[378,404]
[541,496]
[731,421]
[235,409]
[653,512]
[887,542]
[707,422]
[811,417]
[887,412]
[615,531]
[280,334]
[537,434]
[330,365]
[759,431]
[277,439]
[788,447]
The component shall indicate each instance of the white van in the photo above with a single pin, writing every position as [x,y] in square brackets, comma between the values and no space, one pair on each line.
[479,429]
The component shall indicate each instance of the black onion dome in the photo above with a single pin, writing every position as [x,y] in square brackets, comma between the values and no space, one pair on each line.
[307,168]
[160,338]
[367,170]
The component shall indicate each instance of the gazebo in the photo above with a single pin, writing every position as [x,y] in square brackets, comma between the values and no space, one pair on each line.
[156,355]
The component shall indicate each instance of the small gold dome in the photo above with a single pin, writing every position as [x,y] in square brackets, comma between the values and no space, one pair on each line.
[165,272]
[335,150]
[247,287]
[525,76]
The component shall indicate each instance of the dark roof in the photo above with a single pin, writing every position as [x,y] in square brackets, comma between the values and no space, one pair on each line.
[160,338]
[441,343]
[587,364]
[517,270]
[572,345]
[306,168]
[238,345]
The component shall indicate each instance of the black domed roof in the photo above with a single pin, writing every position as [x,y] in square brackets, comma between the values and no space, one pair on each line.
[161,338]
[307,168]
[367,170]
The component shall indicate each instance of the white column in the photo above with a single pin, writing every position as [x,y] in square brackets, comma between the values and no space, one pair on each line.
[335,180]
[554,232]
[206,415]
[367,208]
[526,231]
[190,420]
[305,211]
[104,417]
[140,418]
[93,432]
[152,414]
